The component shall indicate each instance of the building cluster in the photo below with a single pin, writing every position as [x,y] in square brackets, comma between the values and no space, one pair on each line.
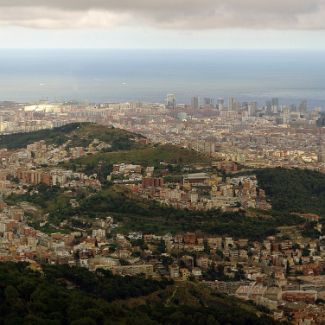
[38,164]
[287,276]
[255,135]
[284,273]
[126,174]
[203,191]
[249,133]
[194,191]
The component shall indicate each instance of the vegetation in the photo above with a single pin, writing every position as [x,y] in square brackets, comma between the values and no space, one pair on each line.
[21,140]
[311,231]
[49,198]
[149,216]
[148,156]
[294,190]
[118,139]
[79,134]
[289,190]
[235,224]
[63,295]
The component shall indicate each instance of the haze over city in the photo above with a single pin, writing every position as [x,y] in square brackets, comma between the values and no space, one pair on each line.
[162,162]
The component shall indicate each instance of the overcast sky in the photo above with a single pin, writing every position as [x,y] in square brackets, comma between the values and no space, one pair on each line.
[163,23]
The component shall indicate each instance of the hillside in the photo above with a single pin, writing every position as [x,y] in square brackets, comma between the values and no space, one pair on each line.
[294,190]
[63,295]
[148,216]
[148,156]
[79,134]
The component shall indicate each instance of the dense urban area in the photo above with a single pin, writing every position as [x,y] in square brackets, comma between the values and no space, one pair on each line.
[187,210]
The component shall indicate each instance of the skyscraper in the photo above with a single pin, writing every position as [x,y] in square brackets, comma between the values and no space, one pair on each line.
[303,107]
[252,108]
[208,102]
[231,103]
[221,103]
[195,102]
[268,105]
[275,105]
[275,102]
[171,101]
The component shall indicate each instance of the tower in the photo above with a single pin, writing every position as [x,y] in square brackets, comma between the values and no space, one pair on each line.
[252,108]
[275,105]
[195,103]
[221,104]
[231,103]
[303,108]
[171,101]
[208,102]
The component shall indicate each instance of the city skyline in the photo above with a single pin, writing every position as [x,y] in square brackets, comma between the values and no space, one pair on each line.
[162,162]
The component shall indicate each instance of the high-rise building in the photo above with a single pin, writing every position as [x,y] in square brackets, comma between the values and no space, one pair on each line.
[303,107]
[268,106]
[231,103]
[208,102]
[171,101]
[252,108]
[275,102]
[286,114]
[195,102]
[275,105]
[321,120]
[221,104]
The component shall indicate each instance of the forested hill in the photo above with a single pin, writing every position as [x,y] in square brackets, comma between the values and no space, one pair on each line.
[63,295]
[79,134]
[125,146]
[294,190]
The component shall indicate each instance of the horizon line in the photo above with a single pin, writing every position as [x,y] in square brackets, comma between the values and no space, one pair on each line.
[162,49]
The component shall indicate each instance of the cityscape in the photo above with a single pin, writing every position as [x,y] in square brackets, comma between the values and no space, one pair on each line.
[61,161]
[162,162]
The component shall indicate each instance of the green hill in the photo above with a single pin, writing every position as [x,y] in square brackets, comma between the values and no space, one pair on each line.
[21,140]
[294,190]
[148,156]
[148,216]
[79,134]
[63,295]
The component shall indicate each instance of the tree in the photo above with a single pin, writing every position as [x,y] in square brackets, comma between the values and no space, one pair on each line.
[305,251]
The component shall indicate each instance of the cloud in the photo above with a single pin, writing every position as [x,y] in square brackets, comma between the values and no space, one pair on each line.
[172,14]
[55,18]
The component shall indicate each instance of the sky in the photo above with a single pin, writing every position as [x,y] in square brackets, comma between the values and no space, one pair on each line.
[194,24]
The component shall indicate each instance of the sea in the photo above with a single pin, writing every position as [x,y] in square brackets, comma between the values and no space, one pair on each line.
[148,75]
